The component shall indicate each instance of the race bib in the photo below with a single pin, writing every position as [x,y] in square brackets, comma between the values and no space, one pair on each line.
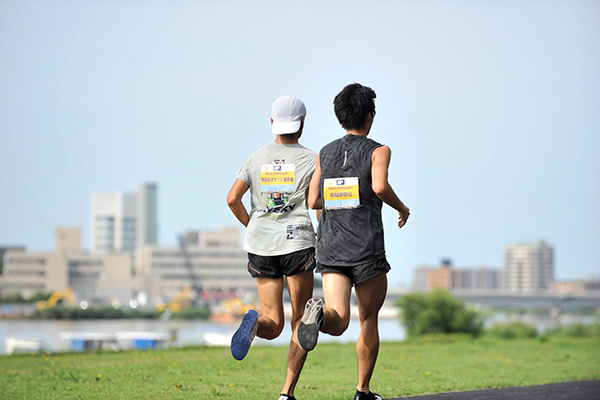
[341,193]
[278,178]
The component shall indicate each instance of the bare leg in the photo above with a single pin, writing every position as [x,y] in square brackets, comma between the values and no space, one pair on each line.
[337,289]
[300,288]
[270,293]
[370,296]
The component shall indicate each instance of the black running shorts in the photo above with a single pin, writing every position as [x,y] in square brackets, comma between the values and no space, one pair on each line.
[276,266]
[360,273]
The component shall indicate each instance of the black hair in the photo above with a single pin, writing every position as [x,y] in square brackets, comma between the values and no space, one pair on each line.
[353,104]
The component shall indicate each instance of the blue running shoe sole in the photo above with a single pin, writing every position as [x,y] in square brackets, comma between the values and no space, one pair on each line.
[243,337]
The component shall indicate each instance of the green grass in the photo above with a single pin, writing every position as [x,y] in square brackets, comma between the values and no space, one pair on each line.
[418,366]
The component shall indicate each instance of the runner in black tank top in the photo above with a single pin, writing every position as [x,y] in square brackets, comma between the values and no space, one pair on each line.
[349,185]
[350,236]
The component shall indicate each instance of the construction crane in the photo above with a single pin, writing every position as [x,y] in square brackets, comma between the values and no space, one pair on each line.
[189,293]
[65,294]
[194,281]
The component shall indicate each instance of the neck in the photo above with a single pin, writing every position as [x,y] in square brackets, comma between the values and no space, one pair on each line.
[358,132]
[287,139]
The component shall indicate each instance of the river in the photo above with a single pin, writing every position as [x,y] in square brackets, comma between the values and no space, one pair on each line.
[192,332]
[189,332]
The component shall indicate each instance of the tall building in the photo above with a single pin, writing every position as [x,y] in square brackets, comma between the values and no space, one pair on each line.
[146,225]
[123,222]
[529,267]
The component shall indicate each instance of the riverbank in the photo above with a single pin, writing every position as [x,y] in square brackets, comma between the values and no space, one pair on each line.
[187,332]
[413,367]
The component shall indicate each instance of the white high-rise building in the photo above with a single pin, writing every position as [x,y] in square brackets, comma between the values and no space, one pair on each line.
[529,267]
[123,222]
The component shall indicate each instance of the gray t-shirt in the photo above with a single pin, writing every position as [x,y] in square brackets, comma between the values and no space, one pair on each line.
[279,176]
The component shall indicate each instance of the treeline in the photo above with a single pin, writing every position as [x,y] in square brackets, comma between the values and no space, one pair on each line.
[517,329]
[115,313]
[18,299]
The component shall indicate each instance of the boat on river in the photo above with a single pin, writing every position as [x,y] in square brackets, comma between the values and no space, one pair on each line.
[15,344]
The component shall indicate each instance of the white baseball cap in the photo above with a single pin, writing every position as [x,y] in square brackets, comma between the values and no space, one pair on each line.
[287,113]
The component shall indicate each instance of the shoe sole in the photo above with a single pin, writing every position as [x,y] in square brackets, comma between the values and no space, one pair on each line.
[308,330]
[243,337]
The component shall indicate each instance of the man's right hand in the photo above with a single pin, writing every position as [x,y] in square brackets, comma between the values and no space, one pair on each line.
[403,217]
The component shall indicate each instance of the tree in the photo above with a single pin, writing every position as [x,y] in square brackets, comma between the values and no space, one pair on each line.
[438,312]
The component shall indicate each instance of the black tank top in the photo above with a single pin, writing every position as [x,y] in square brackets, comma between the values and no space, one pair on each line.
[350,236]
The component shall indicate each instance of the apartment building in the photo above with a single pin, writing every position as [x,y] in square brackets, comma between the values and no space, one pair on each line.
[4,249]
[449,278]
[97,279]
[30,273]
[440,278]
[581,285]
[529,267]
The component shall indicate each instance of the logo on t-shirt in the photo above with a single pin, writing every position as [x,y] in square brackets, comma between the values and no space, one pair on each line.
[299,232]
[277,203]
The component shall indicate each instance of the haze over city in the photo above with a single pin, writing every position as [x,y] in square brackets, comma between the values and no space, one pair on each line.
[490,108]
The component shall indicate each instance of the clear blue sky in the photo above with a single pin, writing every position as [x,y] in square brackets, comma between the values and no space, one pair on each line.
[491,108]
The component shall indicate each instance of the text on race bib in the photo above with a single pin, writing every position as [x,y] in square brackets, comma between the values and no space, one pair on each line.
[341,193]
[278,178]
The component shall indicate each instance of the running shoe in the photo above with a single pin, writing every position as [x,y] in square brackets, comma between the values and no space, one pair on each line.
[286,397]
[365,396]
[243,337]
[312,320]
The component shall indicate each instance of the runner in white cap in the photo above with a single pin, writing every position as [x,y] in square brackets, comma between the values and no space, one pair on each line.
[280,238]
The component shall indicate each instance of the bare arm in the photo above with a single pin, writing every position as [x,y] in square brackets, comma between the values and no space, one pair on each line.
[314,190]
[381,186]
[234,201]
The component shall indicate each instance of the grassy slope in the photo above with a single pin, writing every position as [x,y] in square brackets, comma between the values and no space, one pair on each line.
[410,368]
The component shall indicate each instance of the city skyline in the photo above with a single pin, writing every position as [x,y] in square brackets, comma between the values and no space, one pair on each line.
[490,109]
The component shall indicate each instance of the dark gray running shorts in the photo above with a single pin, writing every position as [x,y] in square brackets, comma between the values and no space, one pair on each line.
[360,273]
[287,264]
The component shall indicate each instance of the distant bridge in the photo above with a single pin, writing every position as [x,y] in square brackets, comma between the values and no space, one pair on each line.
[503,299]
[533,300]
